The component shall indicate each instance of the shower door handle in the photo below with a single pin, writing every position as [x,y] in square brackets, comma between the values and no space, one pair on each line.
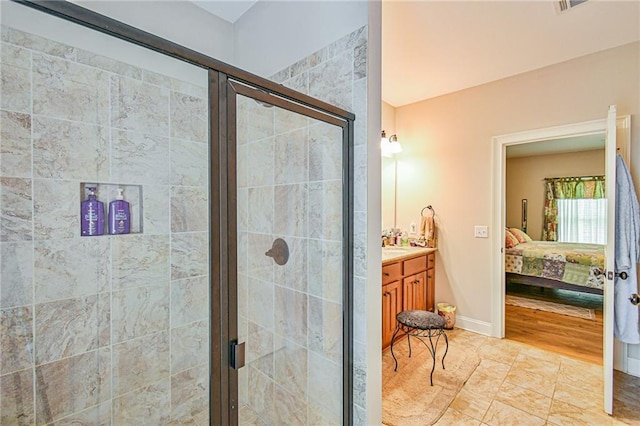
[279,251]
[237,355]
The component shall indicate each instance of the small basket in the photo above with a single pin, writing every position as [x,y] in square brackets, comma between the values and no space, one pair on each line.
[448,312]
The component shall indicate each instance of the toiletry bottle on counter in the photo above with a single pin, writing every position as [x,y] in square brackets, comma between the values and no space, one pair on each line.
[119,215]
[92,215]
[405,239]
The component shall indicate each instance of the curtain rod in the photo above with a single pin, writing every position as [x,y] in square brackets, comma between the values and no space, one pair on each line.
[574,178]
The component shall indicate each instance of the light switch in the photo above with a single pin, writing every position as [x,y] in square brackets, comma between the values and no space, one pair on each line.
[480,231]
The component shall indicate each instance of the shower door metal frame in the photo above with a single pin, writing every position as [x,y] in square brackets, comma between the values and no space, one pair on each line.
[231,88]
[221,193]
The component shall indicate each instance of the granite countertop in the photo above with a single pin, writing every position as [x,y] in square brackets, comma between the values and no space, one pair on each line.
[394,253]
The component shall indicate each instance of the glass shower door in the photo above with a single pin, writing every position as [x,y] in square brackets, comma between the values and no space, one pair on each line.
[112,328]
[290,283]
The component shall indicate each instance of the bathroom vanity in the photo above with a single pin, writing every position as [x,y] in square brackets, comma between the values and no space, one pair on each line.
[408,282]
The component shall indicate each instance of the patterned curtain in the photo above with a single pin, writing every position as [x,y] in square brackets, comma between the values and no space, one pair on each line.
[550,220]
[568,187]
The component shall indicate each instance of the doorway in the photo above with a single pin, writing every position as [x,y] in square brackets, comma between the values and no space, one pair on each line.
[612,126]
[568,315]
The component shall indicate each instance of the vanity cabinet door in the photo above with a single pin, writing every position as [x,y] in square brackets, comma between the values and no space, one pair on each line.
[414,295]
[391,306]
[430,289]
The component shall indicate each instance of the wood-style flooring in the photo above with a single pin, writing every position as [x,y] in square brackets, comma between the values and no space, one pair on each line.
[575,337]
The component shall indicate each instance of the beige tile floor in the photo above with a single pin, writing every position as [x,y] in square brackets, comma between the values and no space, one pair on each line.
[517,384]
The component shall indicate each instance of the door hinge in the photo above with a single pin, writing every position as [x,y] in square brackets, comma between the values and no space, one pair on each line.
[622,275]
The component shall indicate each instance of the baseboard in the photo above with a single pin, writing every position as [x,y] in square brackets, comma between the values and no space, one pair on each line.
[470,324]
[633,367]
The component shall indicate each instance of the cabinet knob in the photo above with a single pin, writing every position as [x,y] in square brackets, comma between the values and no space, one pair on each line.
[386,274]
[386,293]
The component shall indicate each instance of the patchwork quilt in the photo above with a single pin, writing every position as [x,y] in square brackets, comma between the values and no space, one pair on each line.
[573,263]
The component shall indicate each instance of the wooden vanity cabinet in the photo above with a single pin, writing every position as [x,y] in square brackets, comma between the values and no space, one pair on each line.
[391,306]
[414,292]
[407,284]
[391,299]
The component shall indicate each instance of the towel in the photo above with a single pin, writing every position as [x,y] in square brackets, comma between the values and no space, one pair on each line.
[428,230]
[626,327]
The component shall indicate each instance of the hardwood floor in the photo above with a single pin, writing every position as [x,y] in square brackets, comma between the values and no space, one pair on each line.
[571,336]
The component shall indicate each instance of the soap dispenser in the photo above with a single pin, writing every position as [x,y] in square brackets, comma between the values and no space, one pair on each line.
[91,215]
[119,215]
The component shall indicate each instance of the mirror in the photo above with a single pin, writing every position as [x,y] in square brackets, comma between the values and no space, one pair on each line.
[389,192]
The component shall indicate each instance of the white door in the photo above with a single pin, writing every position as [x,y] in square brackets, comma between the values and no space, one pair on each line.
[610,177]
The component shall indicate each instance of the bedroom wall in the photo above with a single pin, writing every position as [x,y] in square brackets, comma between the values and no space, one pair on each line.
[447,157]
[525,179]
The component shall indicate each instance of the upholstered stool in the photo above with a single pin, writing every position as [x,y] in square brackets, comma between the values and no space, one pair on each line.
[421,324]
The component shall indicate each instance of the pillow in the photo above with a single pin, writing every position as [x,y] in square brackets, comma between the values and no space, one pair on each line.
[520,235]
[510,241]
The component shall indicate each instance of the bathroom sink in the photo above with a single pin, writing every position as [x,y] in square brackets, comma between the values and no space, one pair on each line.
[397,249]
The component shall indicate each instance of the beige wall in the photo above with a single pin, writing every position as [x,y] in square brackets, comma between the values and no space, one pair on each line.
[447,157]
[525,179]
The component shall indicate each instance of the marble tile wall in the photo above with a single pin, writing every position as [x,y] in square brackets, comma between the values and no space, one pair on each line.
[289,178]
[111,329]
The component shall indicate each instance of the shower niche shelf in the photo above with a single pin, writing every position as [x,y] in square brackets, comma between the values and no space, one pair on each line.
[107,192]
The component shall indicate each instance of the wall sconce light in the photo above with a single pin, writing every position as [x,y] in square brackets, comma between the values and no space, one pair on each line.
[390,146]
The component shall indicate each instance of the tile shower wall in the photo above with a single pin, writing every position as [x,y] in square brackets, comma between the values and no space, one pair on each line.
[289,176]
[111,329]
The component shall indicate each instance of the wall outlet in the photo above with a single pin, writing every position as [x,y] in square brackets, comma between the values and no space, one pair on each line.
[480,232]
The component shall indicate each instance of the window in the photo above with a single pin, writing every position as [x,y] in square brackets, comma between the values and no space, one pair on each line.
[582,220]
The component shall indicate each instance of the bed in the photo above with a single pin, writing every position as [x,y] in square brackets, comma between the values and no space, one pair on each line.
[568,266]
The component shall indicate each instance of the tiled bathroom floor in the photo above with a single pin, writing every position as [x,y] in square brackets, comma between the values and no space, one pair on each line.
[517,383]
[520,384]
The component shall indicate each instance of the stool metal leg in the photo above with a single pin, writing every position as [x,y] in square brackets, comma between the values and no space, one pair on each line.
[432,349]
[409,340]
[446,340]
[393,339]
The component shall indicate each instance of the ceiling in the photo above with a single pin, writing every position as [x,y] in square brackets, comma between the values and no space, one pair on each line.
[430,48]
[229,10]
[557,146]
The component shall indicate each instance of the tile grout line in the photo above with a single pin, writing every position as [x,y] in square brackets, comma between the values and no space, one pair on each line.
[33,247]
[170,230]
[112,344]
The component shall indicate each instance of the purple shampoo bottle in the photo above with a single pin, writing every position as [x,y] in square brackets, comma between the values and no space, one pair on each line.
[92,215]
[119,215]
